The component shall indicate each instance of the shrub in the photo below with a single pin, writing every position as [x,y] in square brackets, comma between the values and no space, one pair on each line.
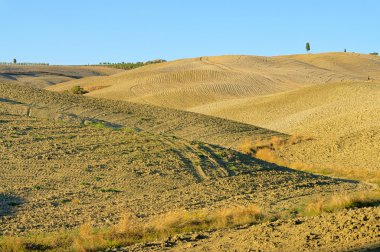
[78,90]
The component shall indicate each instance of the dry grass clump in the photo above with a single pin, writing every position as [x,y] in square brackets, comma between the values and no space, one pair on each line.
[266,150]
[341,201]
[250,146]
[88,239]
[11,244]
[131,230]
[185,221]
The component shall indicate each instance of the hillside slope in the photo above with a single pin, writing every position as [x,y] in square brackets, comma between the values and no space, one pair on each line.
[187,83]
[311,110]
[21,100]
[342,118]
[57,173]
[324,233]
[349,64]
[67,160]
[43,76]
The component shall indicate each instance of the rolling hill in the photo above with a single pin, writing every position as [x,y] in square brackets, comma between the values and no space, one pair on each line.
[326,97]
[342,118]
[185,84]
[21,100]
[67,160]
[43,76]
[62,160]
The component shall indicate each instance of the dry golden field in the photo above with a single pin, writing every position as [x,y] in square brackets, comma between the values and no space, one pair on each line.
[227,153]
[326,97]
[186,84]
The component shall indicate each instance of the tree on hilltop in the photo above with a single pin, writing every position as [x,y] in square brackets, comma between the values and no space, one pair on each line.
[307,47]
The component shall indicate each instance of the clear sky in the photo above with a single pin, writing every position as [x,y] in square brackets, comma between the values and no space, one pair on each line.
[93,31]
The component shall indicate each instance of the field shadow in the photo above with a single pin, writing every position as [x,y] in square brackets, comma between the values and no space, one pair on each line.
[250,161]
[9,204]
[11,101]
[273,166]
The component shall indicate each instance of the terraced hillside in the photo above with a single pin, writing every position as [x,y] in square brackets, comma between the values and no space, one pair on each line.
[185,84]
[43,76]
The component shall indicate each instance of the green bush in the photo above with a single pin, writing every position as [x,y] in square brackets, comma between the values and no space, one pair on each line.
[78,90]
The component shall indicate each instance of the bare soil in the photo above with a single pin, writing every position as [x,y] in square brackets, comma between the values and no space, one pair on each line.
[349,230]
[68,159]
[57,175]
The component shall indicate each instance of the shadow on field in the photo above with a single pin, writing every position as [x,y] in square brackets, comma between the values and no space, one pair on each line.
[10,101]
[273,166]
[246,159]
[9,203]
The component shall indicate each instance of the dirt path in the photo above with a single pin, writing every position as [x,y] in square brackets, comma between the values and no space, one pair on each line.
[207,61]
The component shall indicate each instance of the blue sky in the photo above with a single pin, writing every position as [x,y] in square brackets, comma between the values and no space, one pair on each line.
[92,31]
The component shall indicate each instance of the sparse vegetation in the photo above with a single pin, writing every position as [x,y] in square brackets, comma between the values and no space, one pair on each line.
[374,53]
[24,63]
[130,65]
[131,230]
[78,90]
[97,125]
[340,201]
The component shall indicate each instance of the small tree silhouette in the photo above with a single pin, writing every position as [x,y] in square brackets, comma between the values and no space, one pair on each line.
[14,61]
[307,46]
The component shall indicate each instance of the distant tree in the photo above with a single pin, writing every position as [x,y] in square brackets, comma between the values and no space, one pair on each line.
[307,46]
[374,53]
[14,61]
[345,50]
